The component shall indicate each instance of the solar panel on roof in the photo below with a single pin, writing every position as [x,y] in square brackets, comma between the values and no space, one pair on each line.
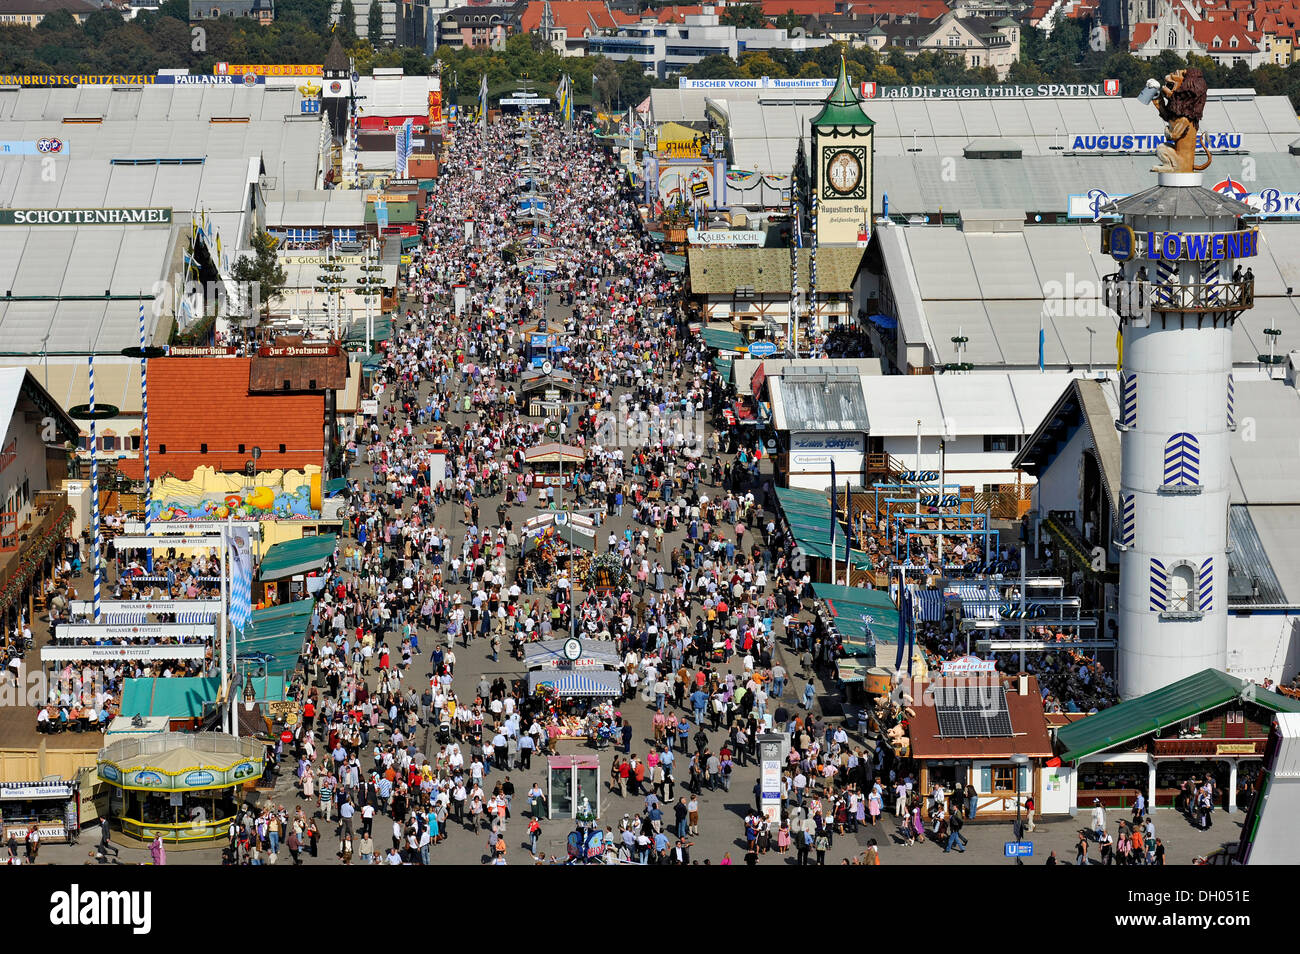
[972,712]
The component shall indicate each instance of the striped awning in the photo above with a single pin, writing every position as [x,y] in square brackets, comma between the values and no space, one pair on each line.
[125,619]
[976,600]
[928,603]
[197,617]
[603,684]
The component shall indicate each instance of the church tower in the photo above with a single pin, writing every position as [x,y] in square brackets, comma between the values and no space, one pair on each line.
[843,144]
[336,90]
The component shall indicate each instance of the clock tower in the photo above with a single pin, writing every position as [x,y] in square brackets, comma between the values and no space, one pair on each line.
[843,144]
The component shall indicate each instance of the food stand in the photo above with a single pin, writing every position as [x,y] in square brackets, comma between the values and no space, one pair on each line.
[548,463]
[184,787]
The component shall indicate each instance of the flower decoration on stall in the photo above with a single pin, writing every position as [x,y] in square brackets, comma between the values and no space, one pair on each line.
[606,572]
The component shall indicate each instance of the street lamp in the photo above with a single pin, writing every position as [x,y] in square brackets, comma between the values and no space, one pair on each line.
[1091,332]
[1018,760]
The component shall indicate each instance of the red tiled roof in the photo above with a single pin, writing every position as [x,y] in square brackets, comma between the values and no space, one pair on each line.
[1205,33]
[922,9]
[195,401]
[676,13]
[803,8]
[1141,35]
[570,15]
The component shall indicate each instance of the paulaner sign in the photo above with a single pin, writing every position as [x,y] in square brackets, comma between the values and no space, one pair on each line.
[142,216]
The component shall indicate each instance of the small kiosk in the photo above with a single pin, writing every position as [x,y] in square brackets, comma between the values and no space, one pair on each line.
[184,787]
[52,806]
[571,780]
[548,463]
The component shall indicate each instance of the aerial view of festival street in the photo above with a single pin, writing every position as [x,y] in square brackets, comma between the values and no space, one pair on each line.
[601,432]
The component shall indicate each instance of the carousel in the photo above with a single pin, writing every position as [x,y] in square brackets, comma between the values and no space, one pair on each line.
[183,787]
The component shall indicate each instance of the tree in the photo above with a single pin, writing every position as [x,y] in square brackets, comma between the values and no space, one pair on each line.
[747,16]
[347,22]
[101,22]
[758,65]
[175,9]
[789,22]
[375,24]
[57,21]
[715,67]
[261,271]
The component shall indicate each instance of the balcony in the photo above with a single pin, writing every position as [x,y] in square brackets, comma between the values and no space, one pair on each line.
[1138,299]
[1197,748]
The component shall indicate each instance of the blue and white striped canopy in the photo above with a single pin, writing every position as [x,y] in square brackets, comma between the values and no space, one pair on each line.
[125,619]
[197,617]
[971,595]
[599,683]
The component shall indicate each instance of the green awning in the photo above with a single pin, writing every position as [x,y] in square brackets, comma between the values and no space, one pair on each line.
[723,367]
[427,184]
[334,485]
[278,632]
[410,241]
[372,361]
[848,605]
[293,557]
[723,339]
[177,698]
[674,263]
[1158,710]
[381,330]
[657,236]
[808,514]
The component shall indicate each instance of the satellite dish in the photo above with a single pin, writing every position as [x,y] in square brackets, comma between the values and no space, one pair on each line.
[257,452]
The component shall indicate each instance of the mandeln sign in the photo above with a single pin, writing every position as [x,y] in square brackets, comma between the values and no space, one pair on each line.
[139,216]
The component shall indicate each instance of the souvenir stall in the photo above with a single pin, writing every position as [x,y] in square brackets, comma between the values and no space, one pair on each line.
[53,806]
[546,548]
[575,705]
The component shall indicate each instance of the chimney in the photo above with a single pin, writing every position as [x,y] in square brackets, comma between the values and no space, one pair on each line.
[1024,684]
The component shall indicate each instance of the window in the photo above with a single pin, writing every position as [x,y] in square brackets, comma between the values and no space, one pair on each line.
[1004,778]
[1182,590]
[1173,40]
[345,235]
[1217,43]
[203,448]
[162,448]
[1001,779]
[302,235]
[1000,443]
[1232,42]
[241,448]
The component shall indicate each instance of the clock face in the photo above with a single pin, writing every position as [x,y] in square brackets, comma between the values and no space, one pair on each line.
[844,172]
[572,649]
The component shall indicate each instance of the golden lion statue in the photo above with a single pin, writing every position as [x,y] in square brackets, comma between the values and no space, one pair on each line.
[1181,104]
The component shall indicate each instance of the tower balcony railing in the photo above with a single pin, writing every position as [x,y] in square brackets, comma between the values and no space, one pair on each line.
[1133,298]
